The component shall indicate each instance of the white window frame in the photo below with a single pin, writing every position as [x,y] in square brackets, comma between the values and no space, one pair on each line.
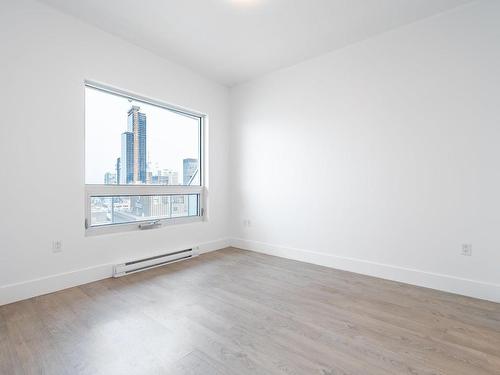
[102,190]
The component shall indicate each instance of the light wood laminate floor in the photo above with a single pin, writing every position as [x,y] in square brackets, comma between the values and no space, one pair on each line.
[238,312]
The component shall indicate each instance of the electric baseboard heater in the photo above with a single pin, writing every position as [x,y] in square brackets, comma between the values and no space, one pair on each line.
[152,262]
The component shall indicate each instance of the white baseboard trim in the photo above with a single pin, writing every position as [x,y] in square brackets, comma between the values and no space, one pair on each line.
[44,285]
[213,245]
[36,287]
[447,283]
[472,288]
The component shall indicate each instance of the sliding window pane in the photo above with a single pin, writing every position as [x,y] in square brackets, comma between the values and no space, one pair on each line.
[129,209]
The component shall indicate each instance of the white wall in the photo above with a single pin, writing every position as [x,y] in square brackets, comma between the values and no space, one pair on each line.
[382,158]
[45,57]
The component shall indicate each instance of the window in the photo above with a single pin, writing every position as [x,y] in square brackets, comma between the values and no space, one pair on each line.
[143,161]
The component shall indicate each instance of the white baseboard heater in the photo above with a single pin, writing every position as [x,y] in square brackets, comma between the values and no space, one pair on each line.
[152,262]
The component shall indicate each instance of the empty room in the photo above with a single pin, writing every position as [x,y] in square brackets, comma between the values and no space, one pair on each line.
[205,187]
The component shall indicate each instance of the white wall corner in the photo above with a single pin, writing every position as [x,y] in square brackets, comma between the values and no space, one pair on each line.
[446,283]
[207,247]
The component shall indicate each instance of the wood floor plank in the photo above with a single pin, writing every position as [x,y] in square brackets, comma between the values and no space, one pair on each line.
[239,312]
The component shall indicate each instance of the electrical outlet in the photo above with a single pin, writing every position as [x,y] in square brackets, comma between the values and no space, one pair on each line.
[56,246]
[247,223]
[466,249]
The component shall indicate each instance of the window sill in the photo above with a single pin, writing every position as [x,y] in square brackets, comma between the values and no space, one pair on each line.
[131,227]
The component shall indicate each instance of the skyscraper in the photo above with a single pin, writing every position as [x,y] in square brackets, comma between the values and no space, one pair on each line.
[109,178]
[118,170]
[127,158]
[189,171]
[167,177]
[137,126]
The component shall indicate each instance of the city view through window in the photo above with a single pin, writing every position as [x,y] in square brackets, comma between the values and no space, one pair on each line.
[131,143]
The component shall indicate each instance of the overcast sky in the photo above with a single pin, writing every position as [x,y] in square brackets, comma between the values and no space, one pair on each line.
[170,137]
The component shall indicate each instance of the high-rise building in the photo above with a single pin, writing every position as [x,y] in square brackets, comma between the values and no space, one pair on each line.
[118,170]
[137,126]
[173,178]
[127,158]
[109,178]
[179,205]
[151,206]
[168,177]
[189,171]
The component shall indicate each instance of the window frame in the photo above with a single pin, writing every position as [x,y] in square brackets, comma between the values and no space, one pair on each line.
[103,190]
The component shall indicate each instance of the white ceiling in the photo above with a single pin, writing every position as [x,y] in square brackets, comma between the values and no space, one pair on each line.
[232,41]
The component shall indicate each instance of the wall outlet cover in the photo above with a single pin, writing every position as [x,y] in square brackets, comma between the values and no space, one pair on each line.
[466,249]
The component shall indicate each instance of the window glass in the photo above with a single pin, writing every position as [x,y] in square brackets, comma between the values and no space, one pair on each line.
[132,142]
[105,210]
